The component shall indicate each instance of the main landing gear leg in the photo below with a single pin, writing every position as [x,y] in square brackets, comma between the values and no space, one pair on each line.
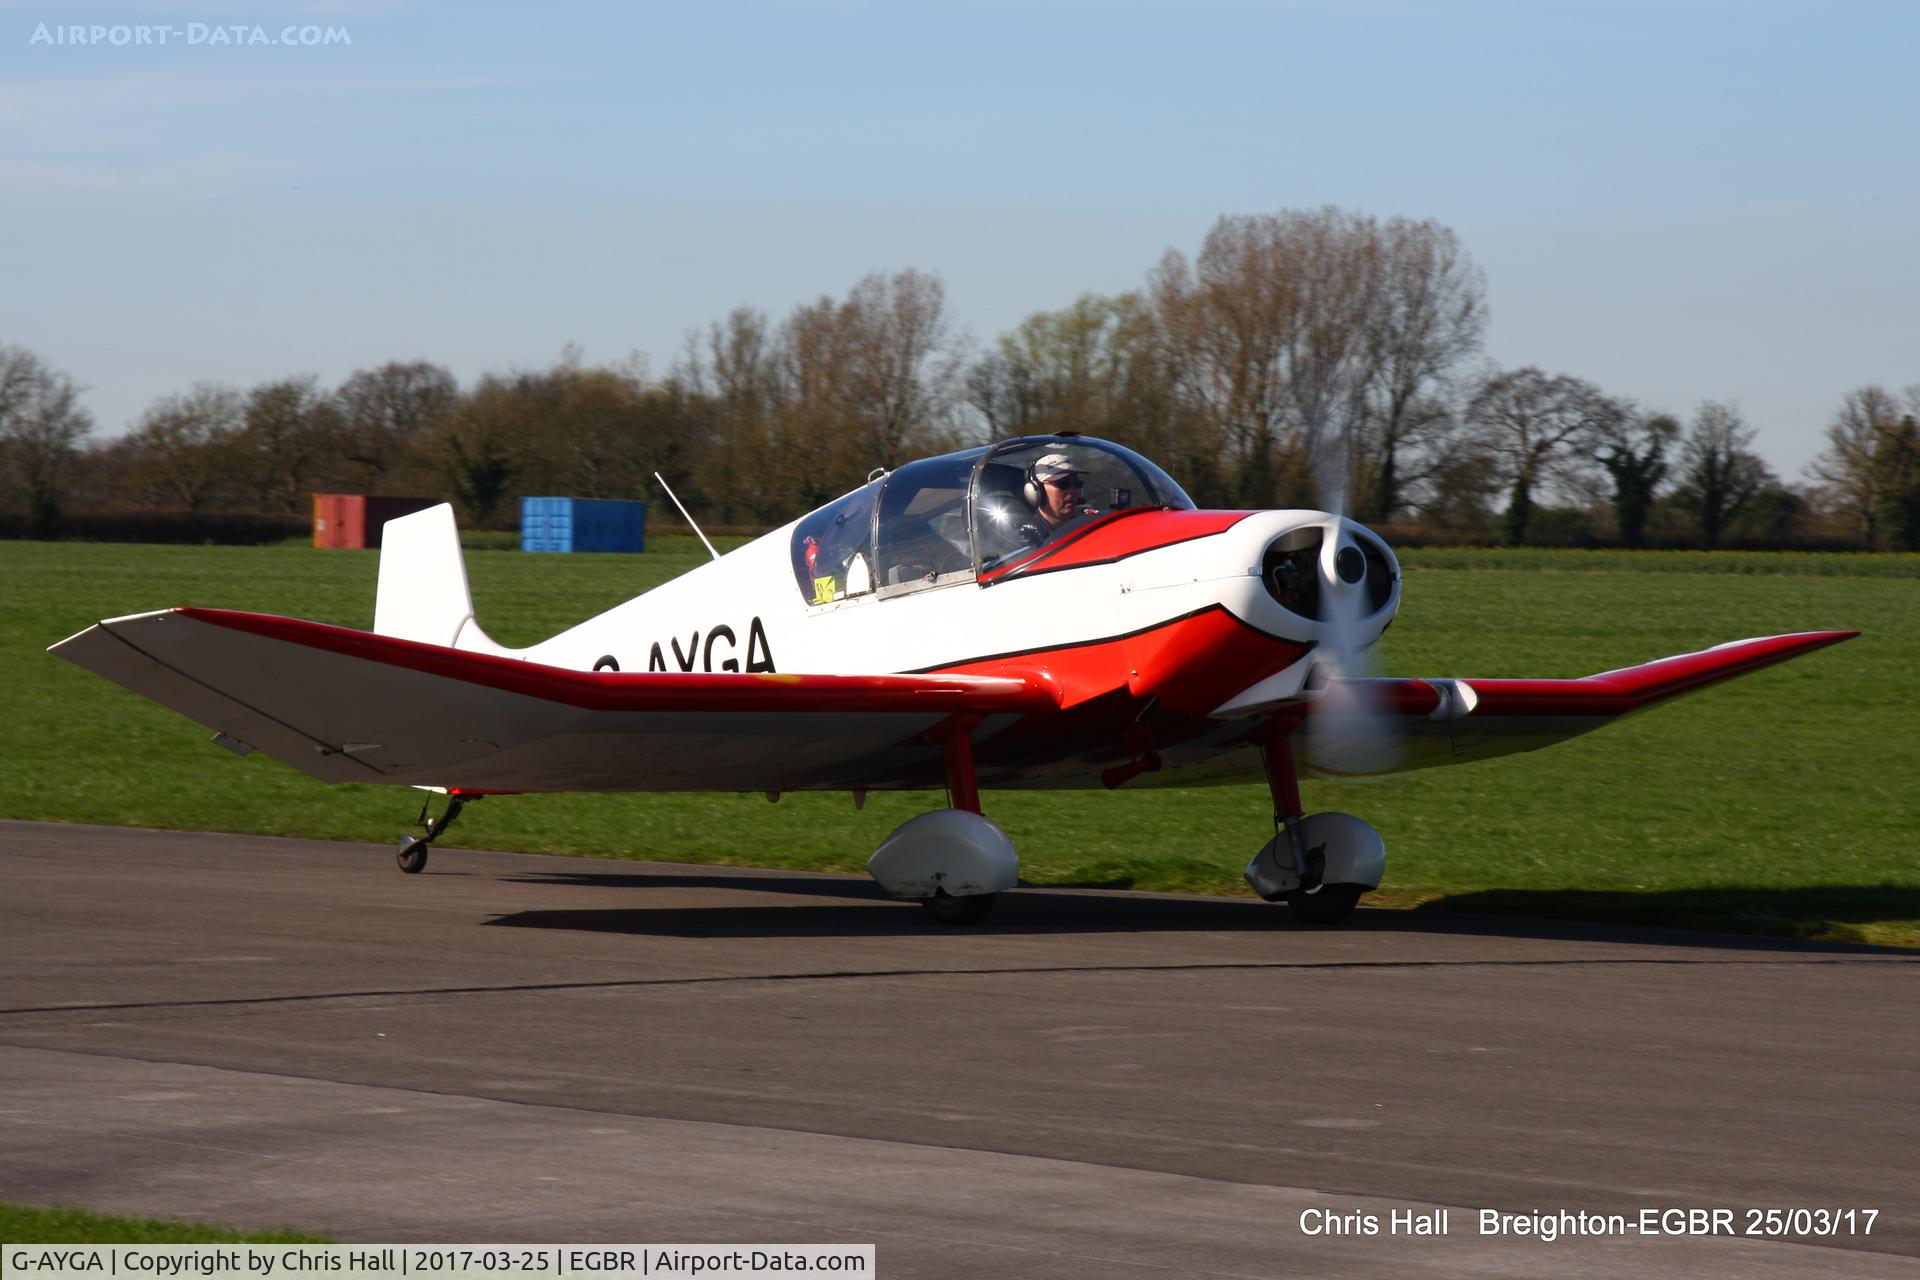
[963,788]
[951,861]
[1284,785]
[1318,865]
[412,855]
[963,791]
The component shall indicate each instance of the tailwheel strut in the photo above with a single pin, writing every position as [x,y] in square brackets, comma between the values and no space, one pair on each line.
[412,854]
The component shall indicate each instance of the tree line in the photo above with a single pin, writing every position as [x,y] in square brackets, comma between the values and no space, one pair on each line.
[1318,358]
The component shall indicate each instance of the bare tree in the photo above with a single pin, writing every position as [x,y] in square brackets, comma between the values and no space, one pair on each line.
[1338,258]
[584,436]
[1226,317]
[1059,367]
[996,388]
[389,412]
[904,368]
[803,412]
[1428,318]
[41,426]
[732,366]
[1719,475]
[607,432]
[482,447]
[1246,307]
[1069,370]
[180,449]
[566,429]
[1461,491]
[1267,334]
[1849,470]
[1316,351]
[1193,367]
[290,444]
[1897,460]
[1536,428]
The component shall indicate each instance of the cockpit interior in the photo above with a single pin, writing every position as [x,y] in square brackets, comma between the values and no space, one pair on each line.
[952,518]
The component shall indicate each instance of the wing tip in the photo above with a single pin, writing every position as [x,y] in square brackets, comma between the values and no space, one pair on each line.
[106,625]
[1794,643]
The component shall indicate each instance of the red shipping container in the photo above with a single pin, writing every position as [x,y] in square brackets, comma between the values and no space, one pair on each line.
[339,520]
[356,520]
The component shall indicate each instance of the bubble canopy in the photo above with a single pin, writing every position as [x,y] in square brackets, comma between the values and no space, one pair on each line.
[950,518]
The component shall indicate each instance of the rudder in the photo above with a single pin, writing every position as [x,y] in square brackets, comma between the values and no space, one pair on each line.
[423,594]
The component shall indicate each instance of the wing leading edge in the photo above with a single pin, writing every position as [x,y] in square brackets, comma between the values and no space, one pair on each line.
[351,706]
[1454,721]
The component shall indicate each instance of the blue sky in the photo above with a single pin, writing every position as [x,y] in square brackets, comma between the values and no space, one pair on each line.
[1679,201]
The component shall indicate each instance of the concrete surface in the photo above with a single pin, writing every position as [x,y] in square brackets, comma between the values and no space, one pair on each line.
[282,1032]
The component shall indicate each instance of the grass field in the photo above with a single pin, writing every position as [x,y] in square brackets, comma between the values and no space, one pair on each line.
[1784,802]
[22,1224]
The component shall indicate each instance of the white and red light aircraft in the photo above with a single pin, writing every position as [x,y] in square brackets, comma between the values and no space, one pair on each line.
[1047,612]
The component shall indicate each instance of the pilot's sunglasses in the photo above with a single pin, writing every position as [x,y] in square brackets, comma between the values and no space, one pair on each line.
[1067,482]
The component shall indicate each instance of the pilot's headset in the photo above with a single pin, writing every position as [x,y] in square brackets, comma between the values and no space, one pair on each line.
[1055,464]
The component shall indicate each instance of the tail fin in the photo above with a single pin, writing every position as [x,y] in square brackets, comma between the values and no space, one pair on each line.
[423,584]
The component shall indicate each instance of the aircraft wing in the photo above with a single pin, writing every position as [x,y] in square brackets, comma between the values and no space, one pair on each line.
[1390,726]
[351,706]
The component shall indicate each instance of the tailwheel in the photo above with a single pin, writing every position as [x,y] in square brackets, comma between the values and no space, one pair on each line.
[967,908]
[412,855]
[1329,904]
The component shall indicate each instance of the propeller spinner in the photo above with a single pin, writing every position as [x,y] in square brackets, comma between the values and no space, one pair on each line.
[1338,574]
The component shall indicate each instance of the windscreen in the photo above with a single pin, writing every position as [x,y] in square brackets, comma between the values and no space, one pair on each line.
[833,548]
[922,530]
[1028,492]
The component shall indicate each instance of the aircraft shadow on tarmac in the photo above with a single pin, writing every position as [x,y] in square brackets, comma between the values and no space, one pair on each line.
[1835,911]
[859,908]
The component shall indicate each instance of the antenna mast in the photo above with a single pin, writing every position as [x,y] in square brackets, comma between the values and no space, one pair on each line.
[689,519]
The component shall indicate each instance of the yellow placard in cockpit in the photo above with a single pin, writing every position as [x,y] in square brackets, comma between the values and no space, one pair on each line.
[825,590]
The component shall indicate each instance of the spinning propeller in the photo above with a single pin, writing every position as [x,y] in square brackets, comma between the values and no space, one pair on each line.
[1349,731]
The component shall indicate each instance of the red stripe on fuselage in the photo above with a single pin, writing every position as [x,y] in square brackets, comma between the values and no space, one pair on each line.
[1191,663]
[1116,536]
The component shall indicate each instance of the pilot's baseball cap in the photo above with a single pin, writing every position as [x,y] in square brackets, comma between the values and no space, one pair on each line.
[1052,466]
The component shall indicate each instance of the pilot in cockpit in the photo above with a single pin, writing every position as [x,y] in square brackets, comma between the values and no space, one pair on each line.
[1054,485]
[1023,508]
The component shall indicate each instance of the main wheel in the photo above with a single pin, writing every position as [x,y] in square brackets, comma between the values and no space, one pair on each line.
[969,908]
[1329,904]
[412,856]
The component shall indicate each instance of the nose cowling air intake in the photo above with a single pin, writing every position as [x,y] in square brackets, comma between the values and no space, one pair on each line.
[1341,580]
[1333,571]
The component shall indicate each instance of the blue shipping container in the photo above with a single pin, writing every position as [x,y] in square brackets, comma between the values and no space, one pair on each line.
[582,524]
